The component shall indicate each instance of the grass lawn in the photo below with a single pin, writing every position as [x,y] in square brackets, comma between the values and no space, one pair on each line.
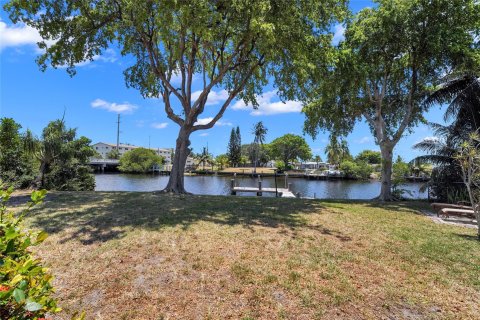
[147,256]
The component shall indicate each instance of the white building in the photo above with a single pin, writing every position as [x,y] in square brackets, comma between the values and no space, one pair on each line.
[104,148]
[312,165]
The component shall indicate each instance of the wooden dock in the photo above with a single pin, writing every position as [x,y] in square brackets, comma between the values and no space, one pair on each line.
[280,192]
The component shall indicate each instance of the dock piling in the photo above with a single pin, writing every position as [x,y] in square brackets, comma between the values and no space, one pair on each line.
[259,193]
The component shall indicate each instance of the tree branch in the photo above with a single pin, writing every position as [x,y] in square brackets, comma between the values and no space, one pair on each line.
[232,95]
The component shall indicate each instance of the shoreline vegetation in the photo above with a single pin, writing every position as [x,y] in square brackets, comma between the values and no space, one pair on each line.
[149,256]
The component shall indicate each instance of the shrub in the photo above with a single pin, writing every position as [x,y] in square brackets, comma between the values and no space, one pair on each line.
[140,160]
[356,170]
[25,285]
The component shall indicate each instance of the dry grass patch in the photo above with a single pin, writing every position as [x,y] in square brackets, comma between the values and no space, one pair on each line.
[146,256]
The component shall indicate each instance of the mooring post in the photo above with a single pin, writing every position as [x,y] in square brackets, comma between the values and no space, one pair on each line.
[286,181]
[232,187]
[314,195]
[259,193]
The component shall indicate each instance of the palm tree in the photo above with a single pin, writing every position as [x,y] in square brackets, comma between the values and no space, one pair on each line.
[317,159]
[333,151]
[259,131]
[222,161]
[344,150]
[203,158]
[463,95]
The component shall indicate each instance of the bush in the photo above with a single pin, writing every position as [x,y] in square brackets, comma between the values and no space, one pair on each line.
[139,160]
[25,286]
[400,170]
[356,170]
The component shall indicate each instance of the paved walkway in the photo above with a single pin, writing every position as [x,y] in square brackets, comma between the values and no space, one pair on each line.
[455,221]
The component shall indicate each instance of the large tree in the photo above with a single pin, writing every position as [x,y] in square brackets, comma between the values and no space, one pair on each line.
[235,45]
[289,148]
[234,148]
[392,55]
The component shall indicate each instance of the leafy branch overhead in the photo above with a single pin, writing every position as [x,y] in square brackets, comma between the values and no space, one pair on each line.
[234,45]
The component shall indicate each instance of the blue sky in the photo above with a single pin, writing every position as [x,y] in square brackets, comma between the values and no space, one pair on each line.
[93,97]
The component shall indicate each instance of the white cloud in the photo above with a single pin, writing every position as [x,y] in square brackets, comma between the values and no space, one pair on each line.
[161,125]
[203,134]
[269,104]
[113,107]
[364,140]
[214,97]
[18,35]
[339,34]
[220,123]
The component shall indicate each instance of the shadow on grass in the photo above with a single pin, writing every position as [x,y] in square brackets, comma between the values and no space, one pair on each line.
[101,216]
[469,237]
[415,207]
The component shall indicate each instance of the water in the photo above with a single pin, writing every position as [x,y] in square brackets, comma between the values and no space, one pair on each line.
[220,185]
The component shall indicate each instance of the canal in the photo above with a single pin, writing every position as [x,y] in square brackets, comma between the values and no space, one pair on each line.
[220,185]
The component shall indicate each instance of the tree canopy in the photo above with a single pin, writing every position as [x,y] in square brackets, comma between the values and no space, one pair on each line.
[369,156]
[139,160]
[289,148]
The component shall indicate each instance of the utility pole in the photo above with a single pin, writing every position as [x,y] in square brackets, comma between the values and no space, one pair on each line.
[118,133]
[148,142]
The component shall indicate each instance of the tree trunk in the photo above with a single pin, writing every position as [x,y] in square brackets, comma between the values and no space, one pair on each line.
[176,181]
[387,162]
[39,181]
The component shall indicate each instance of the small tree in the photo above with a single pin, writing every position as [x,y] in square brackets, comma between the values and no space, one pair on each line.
[290,147]
[139,160]
[63,158]
[113,154]
[259,131]
[468,158]
[222,161]
[400,171]
[204,158]
[369,156]
[16,166]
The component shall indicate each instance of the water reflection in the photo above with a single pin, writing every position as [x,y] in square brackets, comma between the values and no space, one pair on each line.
[220,185]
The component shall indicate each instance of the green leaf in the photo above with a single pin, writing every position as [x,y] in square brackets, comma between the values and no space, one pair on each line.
[33,306]
[19,295]
[42,236]
[23,284]
[11,233]
[38,196]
